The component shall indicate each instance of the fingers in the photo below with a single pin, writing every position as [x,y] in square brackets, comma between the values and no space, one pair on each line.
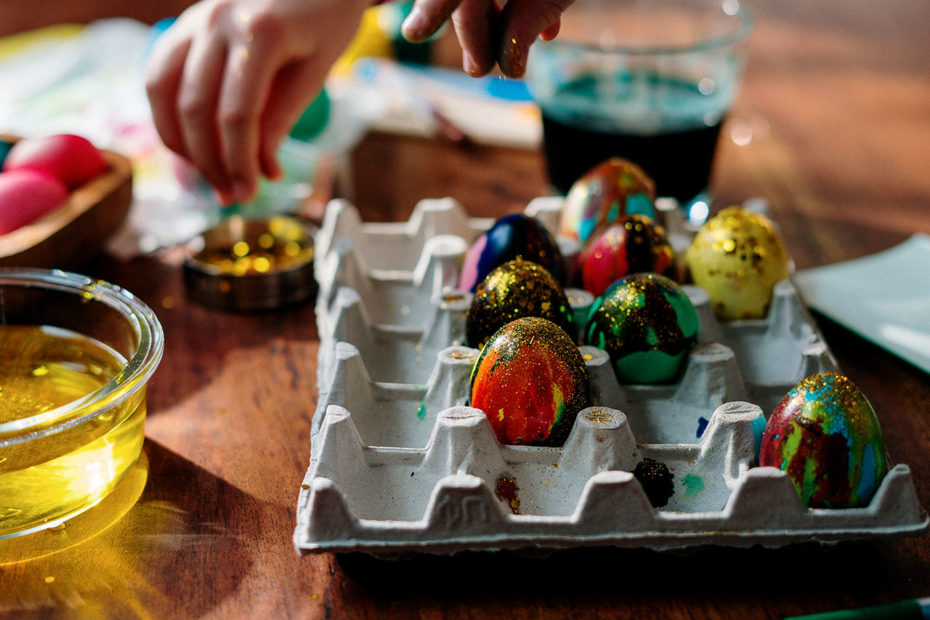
[522,22]
[184,76]
[552,31]
[242,98]
[207,84]
[293,86]
[162,84]
[426,17]
[486,33]
[230,78]
[475,23]
[199,89]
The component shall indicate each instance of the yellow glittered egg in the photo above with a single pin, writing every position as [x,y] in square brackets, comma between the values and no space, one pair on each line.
[737,257]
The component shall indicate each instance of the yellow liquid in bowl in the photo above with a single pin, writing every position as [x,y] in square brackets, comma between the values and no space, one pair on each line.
[61,467]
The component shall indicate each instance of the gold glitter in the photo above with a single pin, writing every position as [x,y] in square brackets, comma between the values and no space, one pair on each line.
[516,289]
[278,248]
[240,248]
[737,257]
[513,54]
[599,415]
[266,241]
[501,386]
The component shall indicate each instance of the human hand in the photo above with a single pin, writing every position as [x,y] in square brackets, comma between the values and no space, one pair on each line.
[487,33]
[228,80]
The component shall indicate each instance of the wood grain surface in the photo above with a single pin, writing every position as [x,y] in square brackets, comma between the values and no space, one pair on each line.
[837,99]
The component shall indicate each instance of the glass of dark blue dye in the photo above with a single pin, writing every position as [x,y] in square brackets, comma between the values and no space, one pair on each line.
[648,80]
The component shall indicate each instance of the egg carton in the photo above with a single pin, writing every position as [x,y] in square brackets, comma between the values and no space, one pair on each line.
[400,463]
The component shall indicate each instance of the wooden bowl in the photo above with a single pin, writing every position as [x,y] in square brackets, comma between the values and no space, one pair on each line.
[76,230]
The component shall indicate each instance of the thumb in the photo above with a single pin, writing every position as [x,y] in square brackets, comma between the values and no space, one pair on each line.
[522,22]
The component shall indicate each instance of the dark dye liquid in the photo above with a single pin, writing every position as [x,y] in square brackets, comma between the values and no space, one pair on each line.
[677,150]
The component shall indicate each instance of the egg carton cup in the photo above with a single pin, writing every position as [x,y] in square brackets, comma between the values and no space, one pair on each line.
[443,498]
[402,312]
[756,360]
[400,463]
[397,268]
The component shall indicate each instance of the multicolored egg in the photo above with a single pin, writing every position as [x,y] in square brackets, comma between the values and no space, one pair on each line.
[737,257]
[632,244]
[608,191]
[511,236]
[825,435]
[514,290]
[531,382]
[648,326]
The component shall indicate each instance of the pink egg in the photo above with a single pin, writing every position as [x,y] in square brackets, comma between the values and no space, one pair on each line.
[26,195]
[72,159]
[631,244]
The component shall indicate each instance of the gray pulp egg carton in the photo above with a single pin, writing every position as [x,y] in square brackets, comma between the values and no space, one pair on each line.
[400,463]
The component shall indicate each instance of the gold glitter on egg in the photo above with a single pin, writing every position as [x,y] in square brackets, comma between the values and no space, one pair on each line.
[738,257]
[515,290]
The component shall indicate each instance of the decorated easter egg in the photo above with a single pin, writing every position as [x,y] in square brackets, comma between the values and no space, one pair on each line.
[824,434]
[632,244]
[737,257]
[531,382]
[511,236]
[514,290]
[647,325]
[72,159]
[26,195]
[608,191]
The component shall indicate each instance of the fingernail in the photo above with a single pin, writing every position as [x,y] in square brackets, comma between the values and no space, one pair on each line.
[414,26]
[241,191]
[223,197]
[469,65]
[273,170]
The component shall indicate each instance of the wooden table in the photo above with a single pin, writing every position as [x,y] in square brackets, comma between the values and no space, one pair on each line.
[838,97]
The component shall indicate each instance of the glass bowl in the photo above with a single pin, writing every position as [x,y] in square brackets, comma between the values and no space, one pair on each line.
[76,355]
